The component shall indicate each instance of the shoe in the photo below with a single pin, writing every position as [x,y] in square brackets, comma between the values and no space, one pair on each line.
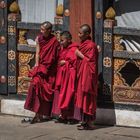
[35,120]
[26,120]
[86,127]
[61,120]
[82,124]
[72,122]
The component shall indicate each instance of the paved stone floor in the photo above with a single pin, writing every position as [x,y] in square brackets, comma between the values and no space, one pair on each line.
[11,128]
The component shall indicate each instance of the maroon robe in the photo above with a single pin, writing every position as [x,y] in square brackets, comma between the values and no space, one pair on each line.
[65,83]
[85,103]
[40,93]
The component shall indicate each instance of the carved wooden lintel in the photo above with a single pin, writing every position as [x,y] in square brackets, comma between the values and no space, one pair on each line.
[126,94]
[14,17]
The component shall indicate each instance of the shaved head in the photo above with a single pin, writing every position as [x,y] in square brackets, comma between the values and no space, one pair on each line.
[85,28]
[66,34]
[47,25]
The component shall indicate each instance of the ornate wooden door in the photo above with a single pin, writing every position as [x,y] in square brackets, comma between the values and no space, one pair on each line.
[80,13]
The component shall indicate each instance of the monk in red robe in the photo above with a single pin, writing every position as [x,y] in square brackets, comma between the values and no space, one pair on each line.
[85,103]
[63,104]
[40,93]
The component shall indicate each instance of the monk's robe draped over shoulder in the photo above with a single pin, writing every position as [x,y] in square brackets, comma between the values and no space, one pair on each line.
[41,89]
[65,80]
[87,78]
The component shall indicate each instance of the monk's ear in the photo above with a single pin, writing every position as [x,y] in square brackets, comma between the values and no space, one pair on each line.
[50,30]
[87,34]
[69,40]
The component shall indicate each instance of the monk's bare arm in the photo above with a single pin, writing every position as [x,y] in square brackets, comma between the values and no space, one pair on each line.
[79,54]
[37,54]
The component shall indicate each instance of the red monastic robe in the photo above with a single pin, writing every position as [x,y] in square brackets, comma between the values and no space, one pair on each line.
[87,79]
[65,83]
[40,93]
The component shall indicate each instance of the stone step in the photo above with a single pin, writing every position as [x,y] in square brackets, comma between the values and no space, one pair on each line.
[105,116]
[14,107]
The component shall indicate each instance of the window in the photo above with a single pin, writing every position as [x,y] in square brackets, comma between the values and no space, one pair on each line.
[37,11]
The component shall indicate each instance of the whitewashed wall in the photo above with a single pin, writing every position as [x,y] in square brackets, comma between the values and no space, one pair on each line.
[37,11]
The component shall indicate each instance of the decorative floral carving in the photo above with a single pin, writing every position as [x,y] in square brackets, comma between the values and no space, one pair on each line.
[107,62]
[23,84]
[11,30]
[24,70]
[126,94]
[118,80]
[11,55]
[24,67]
[119,63]
[11,80]
[25,58]
[137,62]
[136,83]
[22,37]
[107,37]
[117,45]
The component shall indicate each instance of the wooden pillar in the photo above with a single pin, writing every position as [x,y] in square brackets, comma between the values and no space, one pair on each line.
[12,53]
[108,58]
[66,15]
[3,47]
[98,29]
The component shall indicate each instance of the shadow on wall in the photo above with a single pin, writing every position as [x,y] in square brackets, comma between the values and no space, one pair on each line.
[105,114]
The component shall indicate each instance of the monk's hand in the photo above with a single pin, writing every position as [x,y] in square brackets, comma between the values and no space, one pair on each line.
[86,58]
[99,48]
[36,64]
[79,54]
[62,62]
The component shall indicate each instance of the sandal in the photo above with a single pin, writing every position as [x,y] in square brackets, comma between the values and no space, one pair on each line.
[81,124]
[88,127]
[26,120]
[85,127]
[39,119]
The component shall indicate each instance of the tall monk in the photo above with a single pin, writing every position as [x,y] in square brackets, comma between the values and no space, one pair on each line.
[85,103]
[63,104]
[40,93]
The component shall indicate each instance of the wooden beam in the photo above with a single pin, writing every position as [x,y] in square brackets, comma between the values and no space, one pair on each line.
[126,31]
[126,54]
[26,48]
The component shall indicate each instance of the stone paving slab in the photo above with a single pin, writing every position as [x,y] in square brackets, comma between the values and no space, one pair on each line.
[11,128]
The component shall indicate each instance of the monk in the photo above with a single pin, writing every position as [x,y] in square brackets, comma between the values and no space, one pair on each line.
[41,89]
[63,104]
[85,103]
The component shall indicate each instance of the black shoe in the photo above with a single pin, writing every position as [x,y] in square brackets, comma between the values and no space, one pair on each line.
[61,120]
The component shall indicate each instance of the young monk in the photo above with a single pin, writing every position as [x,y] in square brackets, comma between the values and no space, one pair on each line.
[65,81]
[85,104]
[40,93]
